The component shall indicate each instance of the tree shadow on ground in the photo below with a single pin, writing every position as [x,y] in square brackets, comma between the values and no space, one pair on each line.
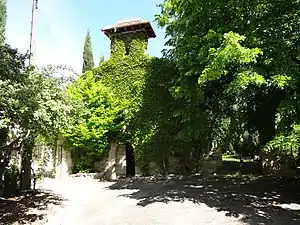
[259,200]
[28,207]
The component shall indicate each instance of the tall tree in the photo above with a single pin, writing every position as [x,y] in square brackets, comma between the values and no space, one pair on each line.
[270,25]
[3,16]
[31,105]
[88,58]
[96,117]
[101,60]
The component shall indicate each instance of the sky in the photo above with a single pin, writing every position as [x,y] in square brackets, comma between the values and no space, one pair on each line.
[61,27]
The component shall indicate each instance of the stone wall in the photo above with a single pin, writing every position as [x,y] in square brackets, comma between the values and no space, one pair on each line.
[63,159]
[107,166]
[43,160]
[121,161]
[114,166]
[212,162]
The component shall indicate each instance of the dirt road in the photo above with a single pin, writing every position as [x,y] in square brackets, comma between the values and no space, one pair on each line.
[90,202]
[143,201]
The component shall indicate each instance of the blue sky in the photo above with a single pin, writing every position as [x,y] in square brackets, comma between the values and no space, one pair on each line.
[62,26]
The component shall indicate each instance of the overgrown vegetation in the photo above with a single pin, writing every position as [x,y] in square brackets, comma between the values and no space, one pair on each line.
[230,82]
[32,104]
[249,92]
[97,118]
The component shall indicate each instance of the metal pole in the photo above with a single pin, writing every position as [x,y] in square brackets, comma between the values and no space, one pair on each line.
[32,32]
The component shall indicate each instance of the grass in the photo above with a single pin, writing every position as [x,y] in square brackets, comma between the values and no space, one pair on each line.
[235,158]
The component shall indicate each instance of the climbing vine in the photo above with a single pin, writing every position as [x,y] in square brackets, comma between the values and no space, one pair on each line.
[142,84]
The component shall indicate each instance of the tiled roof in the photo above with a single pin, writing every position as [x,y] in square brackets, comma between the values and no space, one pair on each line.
[130,25]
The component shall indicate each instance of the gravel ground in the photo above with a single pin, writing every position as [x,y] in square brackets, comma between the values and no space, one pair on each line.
[142,201]
[90,202]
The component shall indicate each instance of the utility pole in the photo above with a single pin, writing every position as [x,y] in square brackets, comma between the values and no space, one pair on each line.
[32,32]
[26,157]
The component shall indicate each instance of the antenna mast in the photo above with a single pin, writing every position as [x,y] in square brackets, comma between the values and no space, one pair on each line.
[32,32]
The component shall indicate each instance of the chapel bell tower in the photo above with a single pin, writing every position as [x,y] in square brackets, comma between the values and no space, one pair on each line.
[129,37]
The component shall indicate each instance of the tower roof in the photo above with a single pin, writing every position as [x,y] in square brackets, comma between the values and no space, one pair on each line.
[130,26]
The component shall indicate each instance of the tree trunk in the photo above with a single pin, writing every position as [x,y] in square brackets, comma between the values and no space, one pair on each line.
[298,158]
[26,164]
[3,139]
[4,161]
[2,168]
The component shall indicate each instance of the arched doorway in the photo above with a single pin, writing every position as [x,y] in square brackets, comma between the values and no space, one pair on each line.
[130,161]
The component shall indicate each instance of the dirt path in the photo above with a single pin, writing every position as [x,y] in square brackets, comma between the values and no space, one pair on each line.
[91,202]
[142,201]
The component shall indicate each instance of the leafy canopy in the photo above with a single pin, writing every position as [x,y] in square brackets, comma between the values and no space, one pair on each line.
[241,88]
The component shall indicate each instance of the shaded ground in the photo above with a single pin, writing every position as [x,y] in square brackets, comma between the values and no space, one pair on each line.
[91,202]
[27,208]
[142,201]
[257,200]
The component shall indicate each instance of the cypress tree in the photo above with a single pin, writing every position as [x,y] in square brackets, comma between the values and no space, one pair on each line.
[88,59]
[3,16]
[101,60]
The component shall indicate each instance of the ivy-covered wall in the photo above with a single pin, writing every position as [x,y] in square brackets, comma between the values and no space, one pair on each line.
[134,98]
[139,81]
[125,73]
[163,127]
[131,44]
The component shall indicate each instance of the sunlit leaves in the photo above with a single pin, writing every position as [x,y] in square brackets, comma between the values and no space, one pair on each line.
[95,112]
[282,81]
[229,53]
[32,101]
[243,80]
[285,142]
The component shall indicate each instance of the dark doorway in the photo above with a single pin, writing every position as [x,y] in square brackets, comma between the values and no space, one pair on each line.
[130,162]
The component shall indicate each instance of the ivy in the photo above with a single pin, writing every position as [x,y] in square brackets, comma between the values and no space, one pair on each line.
[141,83]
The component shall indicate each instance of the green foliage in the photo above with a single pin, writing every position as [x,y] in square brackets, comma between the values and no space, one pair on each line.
[285,142]
[88,58]
[229,54]
[101,60]
[125,75]
[155,122]
[31,100]
[241,89]
[229,81]
[166,114]
[136,81]
[96,120]
[32,104]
